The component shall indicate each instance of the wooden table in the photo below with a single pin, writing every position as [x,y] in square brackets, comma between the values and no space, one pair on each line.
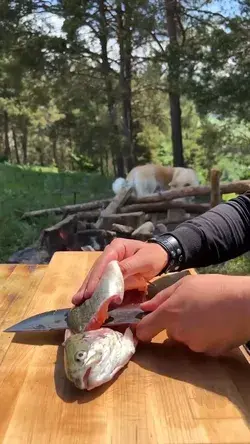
[166,394]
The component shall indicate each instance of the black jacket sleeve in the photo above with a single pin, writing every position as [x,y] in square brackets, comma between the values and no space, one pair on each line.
[220,234]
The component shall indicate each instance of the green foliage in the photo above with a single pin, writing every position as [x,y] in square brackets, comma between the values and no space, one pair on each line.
[65,100]
[26,189]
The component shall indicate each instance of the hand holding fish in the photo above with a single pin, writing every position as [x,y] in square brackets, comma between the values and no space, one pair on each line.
[208,313]
[138,261]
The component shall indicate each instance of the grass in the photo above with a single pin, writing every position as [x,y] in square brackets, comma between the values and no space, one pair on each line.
[25,189]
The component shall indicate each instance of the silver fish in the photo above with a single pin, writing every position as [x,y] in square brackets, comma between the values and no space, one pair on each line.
[93,312]
[93,358]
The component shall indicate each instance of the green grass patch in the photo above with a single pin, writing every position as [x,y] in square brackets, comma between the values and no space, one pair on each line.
[227,197]
[25,189]
[239,266]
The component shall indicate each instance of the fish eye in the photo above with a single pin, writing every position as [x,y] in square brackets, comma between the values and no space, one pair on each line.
[80,356]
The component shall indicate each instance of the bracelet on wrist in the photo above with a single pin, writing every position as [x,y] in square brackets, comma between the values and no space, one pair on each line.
[174,250]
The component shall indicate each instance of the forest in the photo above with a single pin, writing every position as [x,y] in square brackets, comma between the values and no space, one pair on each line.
[96,87]
[104,85]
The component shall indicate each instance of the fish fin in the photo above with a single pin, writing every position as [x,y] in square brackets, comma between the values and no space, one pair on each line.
[67,335]
[129,337]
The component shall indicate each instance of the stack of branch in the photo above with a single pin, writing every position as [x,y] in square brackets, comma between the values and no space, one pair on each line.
[124,216]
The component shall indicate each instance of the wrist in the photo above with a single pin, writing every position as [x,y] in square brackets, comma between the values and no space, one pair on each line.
[173,250]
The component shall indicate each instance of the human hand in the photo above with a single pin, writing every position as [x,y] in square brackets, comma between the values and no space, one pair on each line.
[139,262]
[208,313]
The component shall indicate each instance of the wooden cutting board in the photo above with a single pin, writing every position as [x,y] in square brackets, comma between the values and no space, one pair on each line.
[166,394]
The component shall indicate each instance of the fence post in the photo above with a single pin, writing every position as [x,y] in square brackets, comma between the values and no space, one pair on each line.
[215,197]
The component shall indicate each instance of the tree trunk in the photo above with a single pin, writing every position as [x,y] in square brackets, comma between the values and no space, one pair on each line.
[15,146]
[25,139]
[174,82]
[6,135]
[111,100]
[124,36]
[54,145]
[128,78]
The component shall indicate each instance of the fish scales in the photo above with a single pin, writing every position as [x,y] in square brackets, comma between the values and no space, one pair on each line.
[92,313]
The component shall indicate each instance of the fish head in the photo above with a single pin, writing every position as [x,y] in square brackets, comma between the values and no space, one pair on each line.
[80,357]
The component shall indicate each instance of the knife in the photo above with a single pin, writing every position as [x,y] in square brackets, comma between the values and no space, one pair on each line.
[57,319]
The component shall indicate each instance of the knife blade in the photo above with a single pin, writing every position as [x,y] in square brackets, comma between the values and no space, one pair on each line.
[57,319]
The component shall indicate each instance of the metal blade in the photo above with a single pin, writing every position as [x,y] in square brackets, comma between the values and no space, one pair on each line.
[50,320]
[57,319]
[125,316]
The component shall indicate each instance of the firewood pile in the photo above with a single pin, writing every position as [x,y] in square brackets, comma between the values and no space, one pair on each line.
[93,225]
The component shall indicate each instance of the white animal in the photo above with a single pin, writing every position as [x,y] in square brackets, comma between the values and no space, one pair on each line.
[150,178]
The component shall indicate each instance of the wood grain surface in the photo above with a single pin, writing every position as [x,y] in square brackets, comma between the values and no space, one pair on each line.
[166,394]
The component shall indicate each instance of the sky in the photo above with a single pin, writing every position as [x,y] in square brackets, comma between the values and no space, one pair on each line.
[52,24]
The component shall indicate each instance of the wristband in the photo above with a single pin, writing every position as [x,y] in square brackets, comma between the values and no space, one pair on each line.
[173,249]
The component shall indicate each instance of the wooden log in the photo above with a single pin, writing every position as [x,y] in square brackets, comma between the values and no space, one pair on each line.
[114,205]
[89,216]
[163,206]
[160,228]
[142,236]
[147,228]
[69,221]
[237,187]
[59,236]
[67,209]
[215,197]
[156,217]
[132,219]
[98,239]
[176,214]
[123,229]
[175,221]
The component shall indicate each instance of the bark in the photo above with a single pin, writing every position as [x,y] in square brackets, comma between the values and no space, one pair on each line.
[25,140]
[123,229]
[115,204]
[215,198]
[124,36]
[134,219]
[7,151]
[111,100]
[68,209]
[238,187]
[54,145]
[15,146]
[163,206]
[174,82]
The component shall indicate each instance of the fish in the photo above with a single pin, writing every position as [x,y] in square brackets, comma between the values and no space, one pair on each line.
[93,354]
[92,358]
[93,312]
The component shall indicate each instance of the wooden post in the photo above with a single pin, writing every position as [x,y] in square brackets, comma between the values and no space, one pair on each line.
[215,197]
[120,199]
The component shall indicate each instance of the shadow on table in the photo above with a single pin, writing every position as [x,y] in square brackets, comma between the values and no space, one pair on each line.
[227,376]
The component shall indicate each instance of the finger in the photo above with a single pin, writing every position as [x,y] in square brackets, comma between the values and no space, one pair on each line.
[93,277]
[139,263]
[152,324]
[160,298]
[117,250]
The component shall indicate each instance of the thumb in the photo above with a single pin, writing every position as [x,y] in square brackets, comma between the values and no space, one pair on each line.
[139,263]
[153,323]
[158,320]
